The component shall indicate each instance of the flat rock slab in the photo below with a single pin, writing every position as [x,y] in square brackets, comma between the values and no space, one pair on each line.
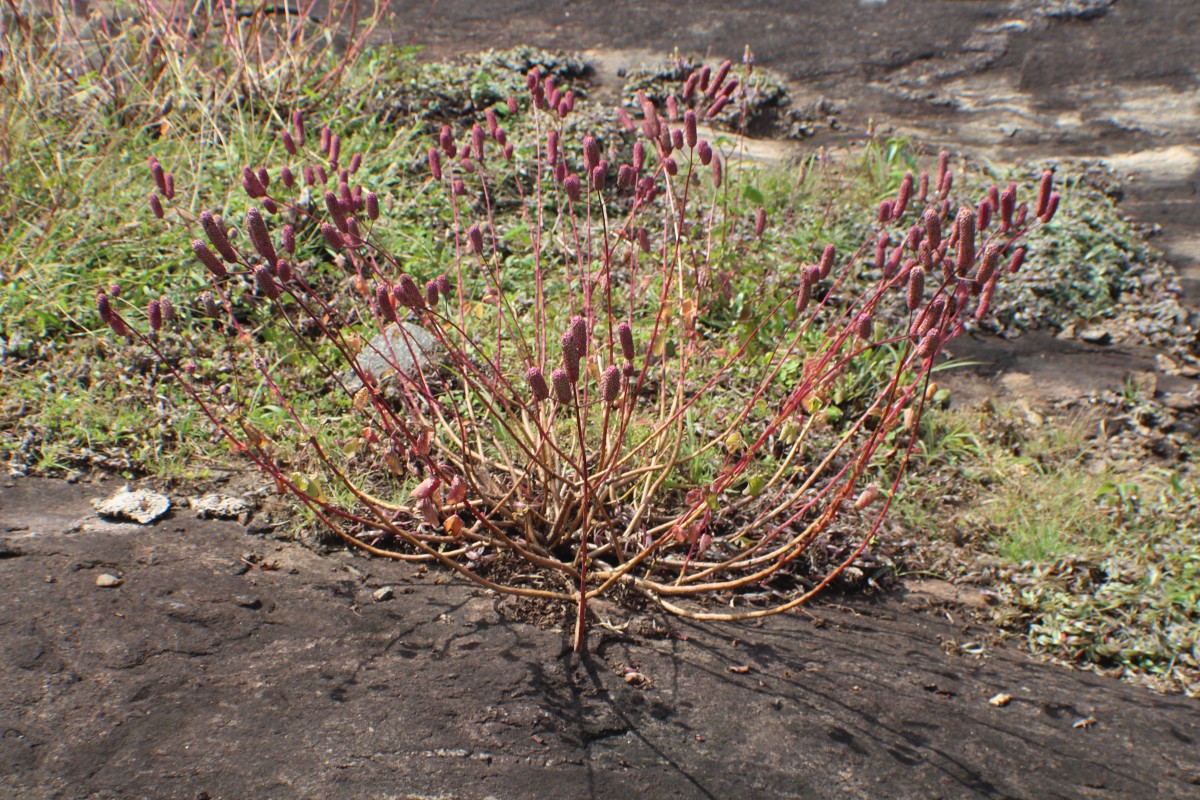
[203,675]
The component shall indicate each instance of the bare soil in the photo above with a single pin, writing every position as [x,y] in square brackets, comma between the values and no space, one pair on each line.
[203,676]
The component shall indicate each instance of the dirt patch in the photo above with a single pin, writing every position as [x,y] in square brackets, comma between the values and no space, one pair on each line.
[209,674]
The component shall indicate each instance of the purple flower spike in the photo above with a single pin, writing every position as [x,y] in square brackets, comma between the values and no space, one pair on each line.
[916,288]
[431,293]
[610,384]
[298,127]
[371,203]
[537,384]
[210,304]
[717,108]
[477,141]
[259,237]
[570,356]
[1018,258]
[167,308]
[579,333]
[626,177]
[704,151]
[562,385]
[215,229]
[156,206]
[252,184]
[826,263]
[1051,207]
[987,264]
[160,177]
[625,337]
[573,187]
[965,227]
[804,294]
[208,259]
[1043,199]
[885,211]
[335,150]
[407,293]
[475,239]
[266,283]
[591,152]
[933,228]
[383,300]
[333,237]
[287,238]
[154,313]
[715,85]
[903,196]
[289,143]
[689,128]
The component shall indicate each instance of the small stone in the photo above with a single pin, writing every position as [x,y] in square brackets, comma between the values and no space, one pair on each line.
[1182,401]
[406,347]
[141,506]
[1096,335]
[219,506]
[384,594]
[1145,383]
[108,581]
[1000,700]
[247,601]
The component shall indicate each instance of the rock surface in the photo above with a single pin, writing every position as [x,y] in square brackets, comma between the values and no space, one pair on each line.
[213,674]
[141,505]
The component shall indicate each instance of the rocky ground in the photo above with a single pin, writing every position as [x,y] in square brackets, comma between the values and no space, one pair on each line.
[188,659]
[220,662]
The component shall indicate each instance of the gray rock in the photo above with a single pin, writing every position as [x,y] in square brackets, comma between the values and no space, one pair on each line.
[1096,335]
[384,594]
[219,506]
[141,506]
[405,347]
[1182,401]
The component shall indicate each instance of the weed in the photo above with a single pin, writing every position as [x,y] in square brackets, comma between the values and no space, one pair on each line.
[606,405]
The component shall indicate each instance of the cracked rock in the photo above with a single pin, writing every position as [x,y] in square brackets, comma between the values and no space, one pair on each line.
[141,506]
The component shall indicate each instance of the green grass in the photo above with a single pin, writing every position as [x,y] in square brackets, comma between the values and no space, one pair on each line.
[1095,567]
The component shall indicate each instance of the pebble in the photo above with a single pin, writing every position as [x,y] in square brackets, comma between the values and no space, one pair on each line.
[141,506]
[1096,335]
[384,594]
[219,506]
[108,581]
